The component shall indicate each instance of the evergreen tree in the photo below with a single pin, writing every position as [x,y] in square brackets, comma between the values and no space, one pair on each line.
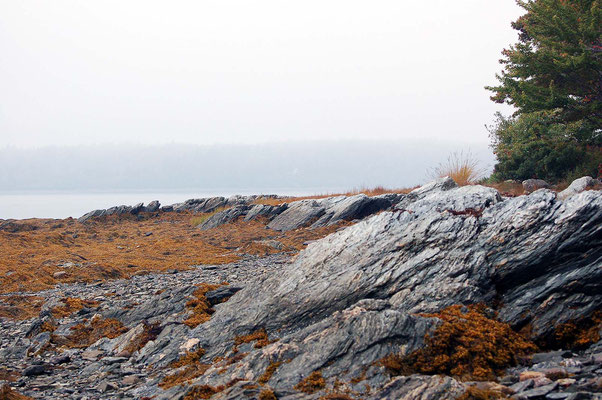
[554,72]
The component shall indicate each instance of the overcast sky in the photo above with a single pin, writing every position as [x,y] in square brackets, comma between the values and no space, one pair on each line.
[205,72]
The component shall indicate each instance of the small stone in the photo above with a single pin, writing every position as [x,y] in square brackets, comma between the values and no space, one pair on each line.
[113,360]
[522,385]
[566,382]
[91,355]
[531,185]
[105,386]
[130,380]
[531,375]
[60,359]
[59,275]
[35,370]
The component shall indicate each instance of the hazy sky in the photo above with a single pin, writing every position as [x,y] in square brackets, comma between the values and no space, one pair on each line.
[86,72]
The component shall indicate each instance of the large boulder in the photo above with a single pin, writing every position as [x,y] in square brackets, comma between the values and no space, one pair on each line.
[578,186]
[531,185]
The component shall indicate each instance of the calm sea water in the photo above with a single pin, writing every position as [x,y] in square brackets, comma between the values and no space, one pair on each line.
[63,205]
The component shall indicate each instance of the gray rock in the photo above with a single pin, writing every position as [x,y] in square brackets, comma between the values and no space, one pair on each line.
[91,214]
[35,370]
[298,214]
[153,206]
[577,186]
[531,185]
[224,217]
[420,387]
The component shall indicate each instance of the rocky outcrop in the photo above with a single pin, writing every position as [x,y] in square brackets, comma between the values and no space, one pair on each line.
[153,206]
[323,321]
[204,205]
[306,213]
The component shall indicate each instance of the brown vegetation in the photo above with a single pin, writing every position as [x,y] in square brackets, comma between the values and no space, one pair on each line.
[199,306]
[201,392]
[269,371]
[6,393]
[149,332]
[267,394]
[85,334]
[467,345]
[313,383]
[191,368]
[71,305]
[463,168]
[260,337]
[578,334]
[20,307]
[474,393]
[34,251]
[8,375]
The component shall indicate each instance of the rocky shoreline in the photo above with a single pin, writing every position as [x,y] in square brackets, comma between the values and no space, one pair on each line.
[440,276]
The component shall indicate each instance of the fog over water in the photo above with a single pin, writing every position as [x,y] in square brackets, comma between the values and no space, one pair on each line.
[68,181]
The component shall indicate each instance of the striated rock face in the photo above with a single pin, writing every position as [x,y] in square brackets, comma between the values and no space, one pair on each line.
[324,320]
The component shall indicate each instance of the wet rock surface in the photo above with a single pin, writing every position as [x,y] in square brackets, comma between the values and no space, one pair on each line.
[321,323]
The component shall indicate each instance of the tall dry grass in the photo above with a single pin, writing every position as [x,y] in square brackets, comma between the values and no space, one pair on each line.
[462,167]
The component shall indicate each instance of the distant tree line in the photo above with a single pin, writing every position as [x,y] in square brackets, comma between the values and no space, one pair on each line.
[553,78]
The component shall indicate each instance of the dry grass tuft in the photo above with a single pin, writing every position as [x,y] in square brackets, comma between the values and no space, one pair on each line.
[467,345]
[6,393]
[313,383]
[462,168]
[267,394]
[199,305]
[71,305]
[269,371]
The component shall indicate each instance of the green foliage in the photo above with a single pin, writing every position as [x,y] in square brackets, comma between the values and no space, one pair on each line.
[553,76]
[533,145]
[557,63]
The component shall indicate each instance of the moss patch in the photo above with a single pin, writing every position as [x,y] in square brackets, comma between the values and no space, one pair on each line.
[269,371]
